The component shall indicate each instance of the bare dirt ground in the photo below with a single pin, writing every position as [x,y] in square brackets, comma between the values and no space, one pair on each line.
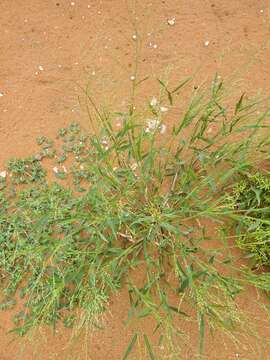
[51,48]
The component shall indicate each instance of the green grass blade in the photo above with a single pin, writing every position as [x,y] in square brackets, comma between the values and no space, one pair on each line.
[149,347]
[130,346]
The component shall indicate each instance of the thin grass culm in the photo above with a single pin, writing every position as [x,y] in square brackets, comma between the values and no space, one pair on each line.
[138,204]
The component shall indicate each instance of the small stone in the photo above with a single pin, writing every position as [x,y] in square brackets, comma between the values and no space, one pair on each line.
[163,129]
[72,3]
[155,46]
[38,157]
[206,43]
[132,78]
[55,170]
[64,169]
[1,94]
[134,36]
[3,174]
[171,22]
[41,68]
[261,11]
[163,109]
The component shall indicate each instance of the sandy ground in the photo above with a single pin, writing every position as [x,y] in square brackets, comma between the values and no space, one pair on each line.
[50,49]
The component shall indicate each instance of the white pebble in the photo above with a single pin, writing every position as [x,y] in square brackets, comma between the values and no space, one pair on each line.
[41,68]
[206,43]
[65,169]
[261,11]
[3,174]
[72,3]
[163,128]
[171,22]
[132,78]
[1,94]
[88,6]
[134,36]
[163,109]
[55,170]
[93,73]
[155,46]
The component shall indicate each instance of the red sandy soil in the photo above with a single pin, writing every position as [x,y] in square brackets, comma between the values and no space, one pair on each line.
[50,49]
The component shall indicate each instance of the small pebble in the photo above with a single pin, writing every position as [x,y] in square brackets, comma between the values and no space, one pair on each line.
[163,109]
[93,73]
[163,128]
[3,174]
[1,94]
[171,22]
[206,43]
[134,36]
[261,11]
[132,78]
[38,157]
[72,3]
[41,68]
[155,46]
[55,170]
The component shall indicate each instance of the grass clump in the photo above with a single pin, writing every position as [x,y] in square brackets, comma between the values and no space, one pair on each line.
[134,199]
[252,196]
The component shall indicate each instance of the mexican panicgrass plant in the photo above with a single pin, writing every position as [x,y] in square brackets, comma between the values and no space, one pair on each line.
[142,197]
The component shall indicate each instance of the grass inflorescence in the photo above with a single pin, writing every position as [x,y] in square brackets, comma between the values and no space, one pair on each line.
[138,195]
